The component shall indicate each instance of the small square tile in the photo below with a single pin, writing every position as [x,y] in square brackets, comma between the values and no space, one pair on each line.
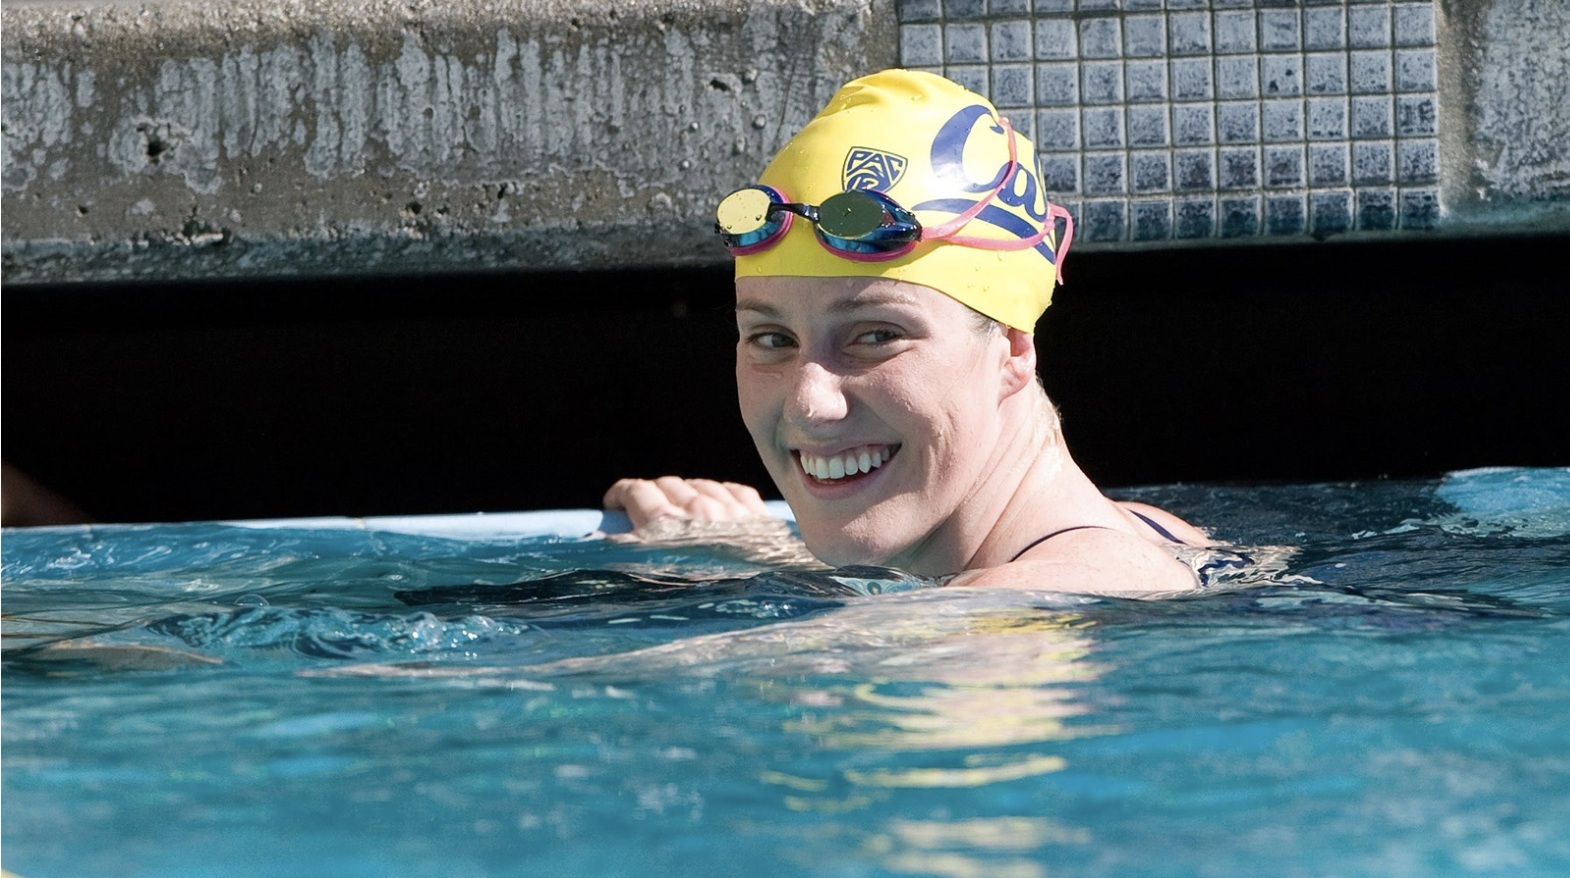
[1417,161]
[1056,39]
[1419,209]
[1142,5]
[1196,218]
[1186,4]
[965,43]
[1281,75]
[1237,122]
[1057,130]
[1147,126]
[1239,217]
[1415,70]
[1228,4]
[1103,221]
[1101,82]
[1235,32]
[1327,119]
[1327,164]
[1057,85]
[1417,115]
[1278,31]
[1237,77]
[1104,174]
[1147,80]
[1100,5]
[919,10]
[1373,162]
[1414,24]
[1011,41]
[1368,27]
[1102,128]
[1193,124]
[1324,28]
[1023,120]
[997,8]
[1060,174]
[1284,215]
[1281,120]
[1370,72]
[1011,85]
[1325,73]
[1152,220]
[960,9]
[920,44]
[971,76]
[1149,172]
[1239,168]
[1191,79]
[1330,213]
[1371,117]
[1145,36]
[1376,210]
[1048,7]
[1283,167]
[1189,33]
[1100,38]
[1193,169]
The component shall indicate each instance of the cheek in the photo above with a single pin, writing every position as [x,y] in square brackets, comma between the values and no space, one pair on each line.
[754,397]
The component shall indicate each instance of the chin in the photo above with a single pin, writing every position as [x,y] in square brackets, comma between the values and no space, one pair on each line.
[831,544]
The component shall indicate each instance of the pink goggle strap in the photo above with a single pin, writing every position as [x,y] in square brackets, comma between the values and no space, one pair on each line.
[948,229]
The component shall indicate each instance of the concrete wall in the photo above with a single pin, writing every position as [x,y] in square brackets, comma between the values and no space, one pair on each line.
[178,139]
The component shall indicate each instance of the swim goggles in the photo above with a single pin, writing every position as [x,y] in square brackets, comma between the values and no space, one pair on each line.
[864,225]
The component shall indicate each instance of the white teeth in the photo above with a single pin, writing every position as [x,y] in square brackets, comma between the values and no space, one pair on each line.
[851,463]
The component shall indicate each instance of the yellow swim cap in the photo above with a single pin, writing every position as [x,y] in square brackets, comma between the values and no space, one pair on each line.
[936,149]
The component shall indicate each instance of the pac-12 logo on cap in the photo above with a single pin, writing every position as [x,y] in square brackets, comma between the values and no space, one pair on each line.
[867,168]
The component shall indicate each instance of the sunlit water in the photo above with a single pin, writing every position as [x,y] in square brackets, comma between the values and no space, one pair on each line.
[1387,697]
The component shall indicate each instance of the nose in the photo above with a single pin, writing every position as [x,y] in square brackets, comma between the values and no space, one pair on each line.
[816,396]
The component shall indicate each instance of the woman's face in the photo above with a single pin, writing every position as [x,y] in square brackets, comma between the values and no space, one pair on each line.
[875,406]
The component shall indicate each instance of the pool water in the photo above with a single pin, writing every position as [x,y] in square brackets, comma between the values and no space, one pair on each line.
[1386,695]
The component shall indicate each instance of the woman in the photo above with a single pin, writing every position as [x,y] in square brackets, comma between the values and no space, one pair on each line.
[890,268]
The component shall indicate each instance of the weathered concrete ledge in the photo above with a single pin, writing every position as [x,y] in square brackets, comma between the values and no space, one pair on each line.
[282,137]
[180,139]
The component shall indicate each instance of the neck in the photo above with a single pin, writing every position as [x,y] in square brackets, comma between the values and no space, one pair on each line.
[1031,486]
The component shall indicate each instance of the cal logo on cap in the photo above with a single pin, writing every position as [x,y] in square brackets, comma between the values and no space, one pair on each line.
[874,169]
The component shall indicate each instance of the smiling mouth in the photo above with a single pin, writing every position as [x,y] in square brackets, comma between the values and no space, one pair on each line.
[853,463]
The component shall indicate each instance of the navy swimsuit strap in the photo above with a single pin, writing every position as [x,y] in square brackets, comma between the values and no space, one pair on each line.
[1158,528]
[1166,534]
[1039,540]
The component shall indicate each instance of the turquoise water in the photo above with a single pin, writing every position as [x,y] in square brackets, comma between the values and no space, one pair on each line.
[1385,695]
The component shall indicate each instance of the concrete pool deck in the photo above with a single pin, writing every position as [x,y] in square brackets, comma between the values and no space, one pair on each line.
[276,138]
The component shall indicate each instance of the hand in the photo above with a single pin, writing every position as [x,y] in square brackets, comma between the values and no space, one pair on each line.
[646,500]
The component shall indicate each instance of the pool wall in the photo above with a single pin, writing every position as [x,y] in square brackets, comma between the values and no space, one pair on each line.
[179,139]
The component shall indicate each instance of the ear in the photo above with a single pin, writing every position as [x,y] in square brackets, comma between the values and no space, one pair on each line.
[1019,369]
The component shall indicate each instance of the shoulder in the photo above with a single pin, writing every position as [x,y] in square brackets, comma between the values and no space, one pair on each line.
[1090,561]
[1179,528]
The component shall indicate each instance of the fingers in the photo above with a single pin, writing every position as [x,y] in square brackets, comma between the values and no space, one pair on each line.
[643,500]
[703,499]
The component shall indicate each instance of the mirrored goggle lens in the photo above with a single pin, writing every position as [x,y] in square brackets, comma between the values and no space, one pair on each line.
[862,216]
[745,213]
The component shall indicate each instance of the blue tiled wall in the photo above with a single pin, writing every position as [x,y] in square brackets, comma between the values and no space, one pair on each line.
[1177,119]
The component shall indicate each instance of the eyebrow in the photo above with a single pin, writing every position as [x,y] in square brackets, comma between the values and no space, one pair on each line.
[839,306]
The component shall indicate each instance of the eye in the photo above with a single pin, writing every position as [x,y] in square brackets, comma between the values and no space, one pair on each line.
[770,340]
[878,336]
